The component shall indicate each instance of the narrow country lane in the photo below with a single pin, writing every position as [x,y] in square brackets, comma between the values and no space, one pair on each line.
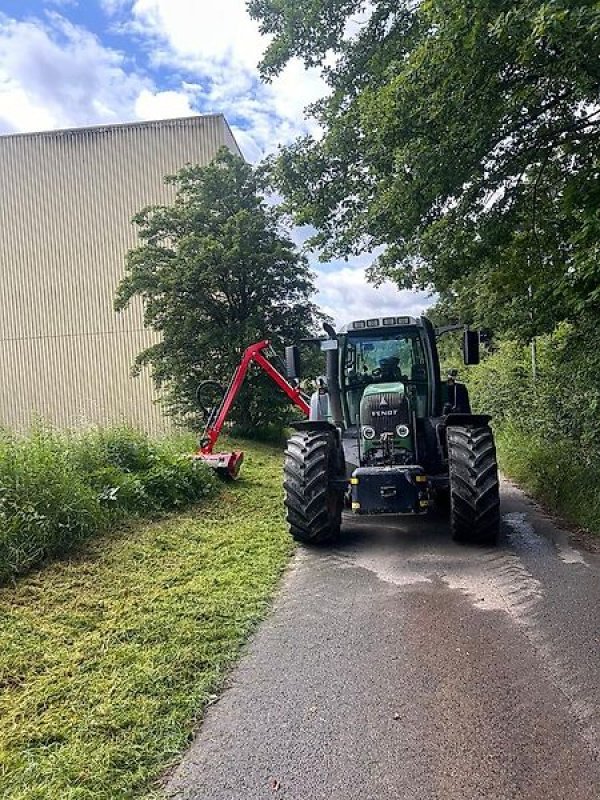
[402,665]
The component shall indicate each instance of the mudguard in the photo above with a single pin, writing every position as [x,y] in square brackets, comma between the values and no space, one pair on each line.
[313,425]
[467,419]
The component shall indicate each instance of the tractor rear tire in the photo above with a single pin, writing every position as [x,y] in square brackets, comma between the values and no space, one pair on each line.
[474,485]
[313,505]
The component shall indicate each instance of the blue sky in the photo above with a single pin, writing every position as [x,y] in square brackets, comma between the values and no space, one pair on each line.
[66,63]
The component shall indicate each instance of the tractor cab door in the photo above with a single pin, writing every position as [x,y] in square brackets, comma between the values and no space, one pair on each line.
[420,386]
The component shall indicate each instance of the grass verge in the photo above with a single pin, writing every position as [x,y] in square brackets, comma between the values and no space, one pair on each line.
[108,657]
[556,472]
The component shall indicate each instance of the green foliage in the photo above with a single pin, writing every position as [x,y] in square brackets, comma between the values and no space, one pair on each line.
[58,489]
[108,658]
[563,401]
[554,472]
[548,430]
[216,272]
[45,504]
[460,136]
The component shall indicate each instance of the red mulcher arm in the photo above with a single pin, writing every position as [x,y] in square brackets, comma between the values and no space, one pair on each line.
[230,463]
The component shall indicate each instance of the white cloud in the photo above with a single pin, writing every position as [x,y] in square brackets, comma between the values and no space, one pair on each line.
[162,105]
[56,74]
[345,295]
[203,33]
[219,45]
[20,112]
[248,145]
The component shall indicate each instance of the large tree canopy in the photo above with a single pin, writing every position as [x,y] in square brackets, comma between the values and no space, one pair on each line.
[216,272]
[461,135]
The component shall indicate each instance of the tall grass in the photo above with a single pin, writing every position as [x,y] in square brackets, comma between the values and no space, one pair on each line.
[57,489]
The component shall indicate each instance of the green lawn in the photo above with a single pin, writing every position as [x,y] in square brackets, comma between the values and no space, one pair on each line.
[108,657]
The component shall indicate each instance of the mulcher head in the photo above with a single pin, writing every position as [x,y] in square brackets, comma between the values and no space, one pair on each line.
[226,465]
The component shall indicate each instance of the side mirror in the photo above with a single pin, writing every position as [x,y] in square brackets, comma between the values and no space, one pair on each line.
[471,348]
[292,362]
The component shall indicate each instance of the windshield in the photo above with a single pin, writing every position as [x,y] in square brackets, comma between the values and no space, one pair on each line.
[384,359]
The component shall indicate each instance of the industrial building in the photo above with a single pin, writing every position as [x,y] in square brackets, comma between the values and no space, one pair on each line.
[67,199]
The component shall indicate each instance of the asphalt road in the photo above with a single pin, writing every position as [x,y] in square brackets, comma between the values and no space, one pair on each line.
[401,665]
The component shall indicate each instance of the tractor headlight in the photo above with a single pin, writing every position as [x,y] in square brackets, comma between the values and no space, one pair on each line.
[402,431]
[368,432]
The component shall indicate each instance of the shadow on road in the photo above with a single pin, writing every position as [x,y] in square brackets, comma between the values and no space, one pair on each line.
[407,532]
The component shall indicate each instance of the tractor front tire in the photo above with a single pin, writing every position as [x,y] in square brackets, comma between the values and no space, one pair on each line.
[474,485]
[313,505]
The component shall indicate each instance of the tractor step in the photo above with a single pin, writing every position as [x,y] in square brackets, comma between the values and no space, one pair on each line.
[227,465]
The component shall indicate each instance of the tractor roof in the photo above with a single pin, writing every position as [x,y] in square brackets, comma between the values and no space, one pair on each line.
[378,322]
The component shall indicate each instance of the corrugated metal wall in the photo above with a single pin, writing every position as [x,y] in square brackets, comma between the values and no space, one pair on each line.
[67,198]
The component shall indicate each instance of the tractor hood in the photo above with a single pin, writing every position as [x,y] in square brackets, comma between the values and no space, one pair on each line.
[385,388]
[383,406]
[385,411]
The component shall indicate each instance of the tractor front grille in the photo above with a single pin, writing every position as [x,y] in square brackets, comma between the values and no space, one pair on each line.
[384,411]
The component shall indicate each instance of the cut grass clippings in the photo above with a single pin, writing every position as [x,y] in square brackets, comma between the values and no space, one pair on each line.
[108,658]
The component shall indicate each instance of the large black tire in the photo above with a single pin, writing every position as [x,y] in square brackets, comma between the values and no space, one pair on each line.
[313,505]
[474,486]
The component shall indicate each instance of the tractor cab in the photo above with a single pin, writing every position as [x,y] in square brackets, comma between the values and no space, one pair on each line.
[385,392]
[385,387]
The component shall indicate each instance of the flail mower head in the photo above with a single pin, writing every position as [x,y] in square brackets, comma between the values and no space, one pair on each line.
[226,465]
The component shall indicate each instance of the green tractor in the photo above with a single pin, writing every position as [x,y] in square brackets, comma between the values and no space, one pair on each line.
[386,435]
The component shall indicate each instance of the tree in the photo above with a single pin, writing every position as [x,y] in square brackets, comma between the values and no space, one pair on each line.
[216,271]
[461,135]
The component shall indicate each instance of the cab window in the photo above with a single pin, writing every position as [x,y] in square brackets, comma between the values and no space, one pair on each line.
[384,359]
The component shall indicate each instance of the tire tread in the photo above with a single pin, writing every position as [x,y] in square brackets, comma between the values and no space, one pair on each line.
[307,469]
[474,484]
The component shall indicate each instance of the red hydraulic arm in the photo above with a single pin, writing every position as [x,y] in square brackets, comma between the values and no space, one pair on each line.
[231,462]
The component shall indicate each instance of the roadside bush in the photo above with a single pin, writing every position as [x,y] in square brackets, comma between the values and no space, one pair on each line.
[173,482]
[57,489]
[548,430]
[269,434]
